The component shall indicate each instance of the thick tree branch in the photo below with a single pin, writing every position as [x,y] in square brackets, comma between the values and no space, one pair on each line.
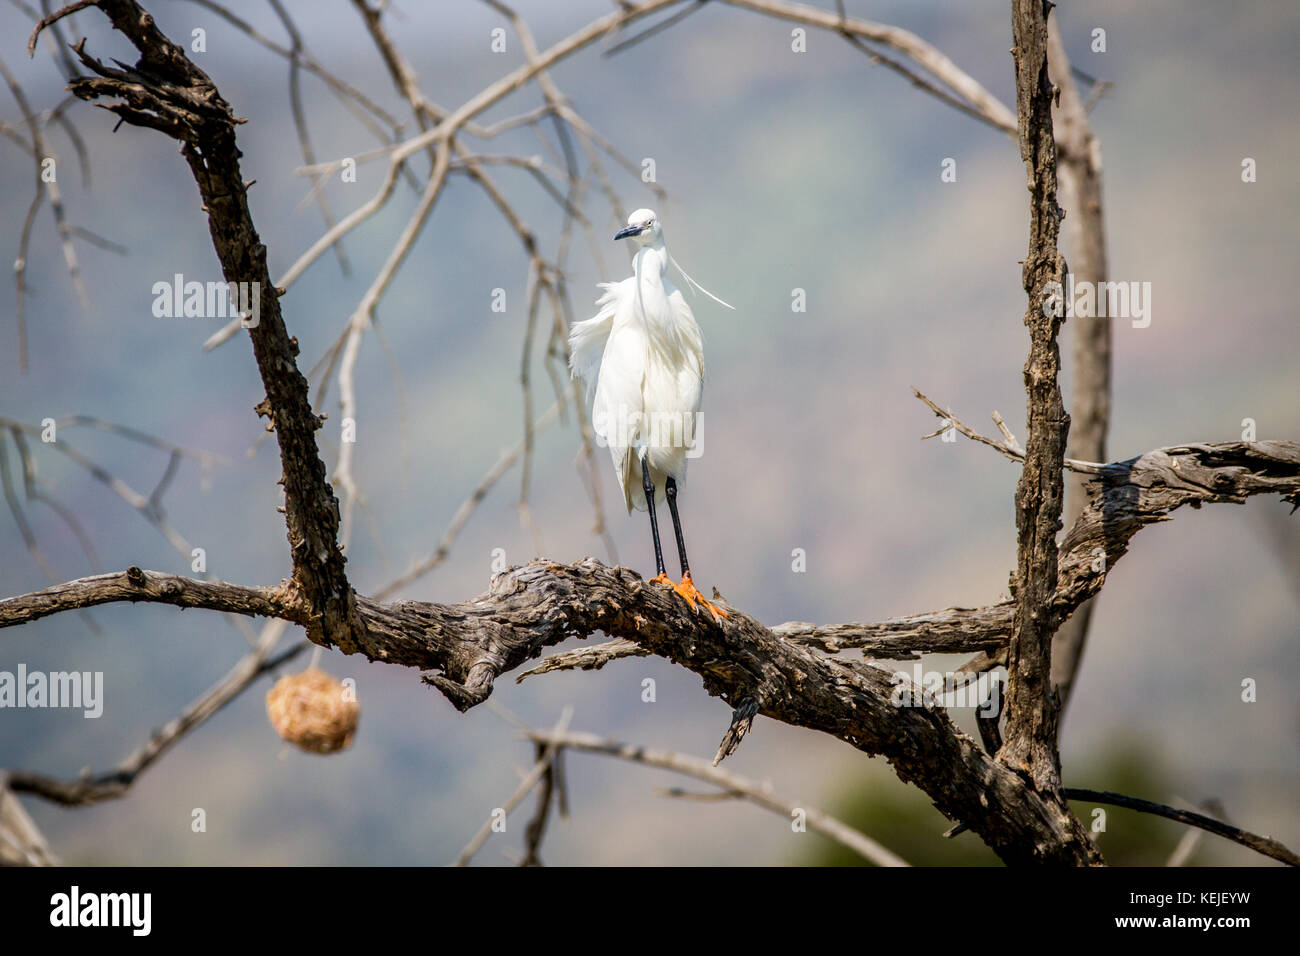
[1080,171]
[956,630]
[1124,498]
[542,604]
[1129,495]
[1031,706]
[167,92]
[153,587]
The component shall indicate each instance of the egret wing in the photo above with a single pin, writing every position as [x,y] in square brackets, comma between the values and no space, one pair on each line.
[617,411]
[690,369]
[587,338]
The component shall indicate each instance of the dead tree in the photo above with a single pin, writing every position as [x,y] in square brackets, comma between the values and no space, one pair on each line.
[1009,791]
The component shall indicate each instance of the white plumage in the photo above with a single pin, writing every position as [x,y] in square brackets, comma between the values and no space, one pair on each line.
[641,358]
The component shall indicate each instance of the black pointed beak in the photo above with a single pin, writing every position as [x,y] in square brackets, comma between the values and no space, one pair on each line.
[629,231]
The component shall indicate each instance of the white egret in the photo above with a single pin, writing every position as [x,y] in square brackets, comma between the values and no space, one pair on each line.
[641,358]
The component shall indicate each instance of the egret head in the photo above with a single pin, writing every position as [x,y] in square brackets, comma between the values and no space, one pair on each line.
[643,226]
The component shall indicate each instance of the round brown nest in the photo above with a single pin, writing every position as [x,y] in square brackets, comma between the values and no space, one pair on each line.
[313,711]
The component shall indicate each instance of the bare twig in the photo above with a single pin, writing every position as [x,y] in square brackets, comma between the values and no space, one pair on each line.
[347,94]
[731,784]
[664,24]
[116,782]
[1192,838]
[963,86]
[45,185]
[585,658]
[464,512]
[525,786]
[165,91]
[551,791]
[32,489]
[1260,844]
[1005,123]
[300,119]
[1008,447]
[21,840]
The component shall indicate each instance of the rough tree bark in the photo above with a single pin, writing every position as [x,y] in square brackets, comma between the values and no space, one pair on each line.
[1085,225]
[1032,705]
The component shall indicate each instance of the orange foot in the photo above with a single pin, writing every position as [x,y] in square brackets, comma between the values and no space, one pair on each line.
[694,598]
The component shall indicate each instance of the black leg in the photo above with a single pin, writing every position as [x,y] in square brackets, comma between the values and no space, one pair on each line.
[670,490]
[687,588]
[649,487]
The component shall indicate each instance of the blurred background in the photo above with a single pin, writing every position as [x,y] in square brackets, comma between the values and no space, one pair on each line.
[815,171]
